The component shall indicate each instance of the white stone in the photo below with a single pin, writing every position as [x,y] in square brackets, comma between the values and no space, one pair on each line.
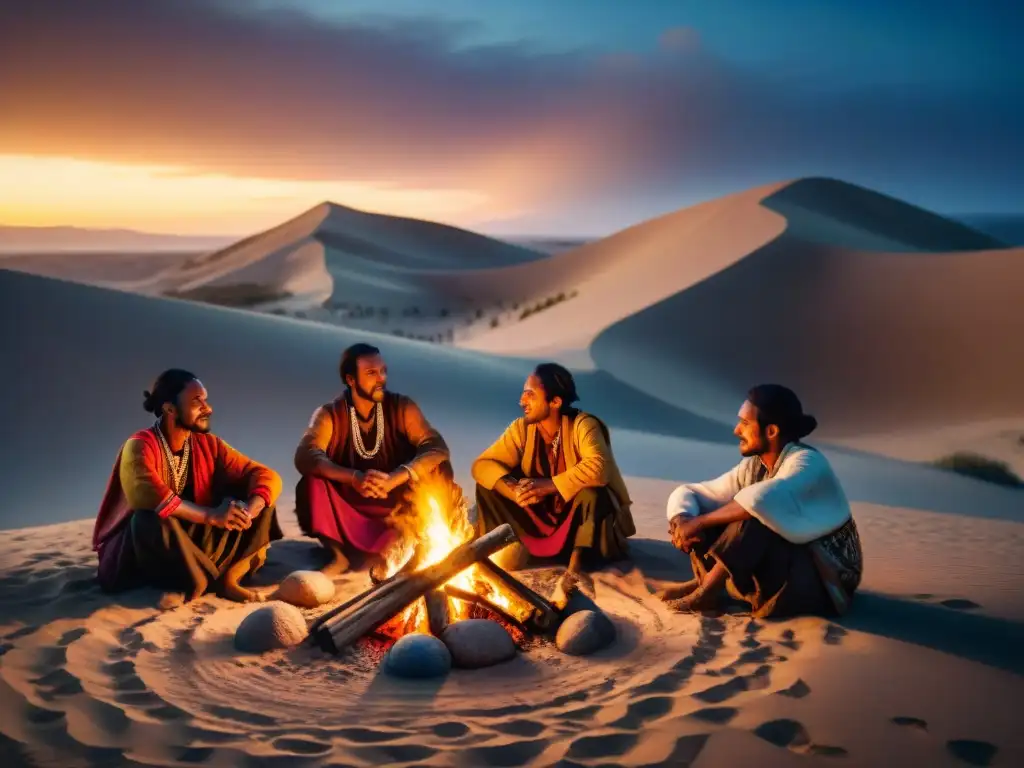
[274,625]
[306,589]
[585,632]
[478,643]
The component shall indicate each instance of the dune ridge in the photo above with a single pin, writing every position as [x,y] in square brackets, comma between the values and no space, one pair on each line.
[925,670]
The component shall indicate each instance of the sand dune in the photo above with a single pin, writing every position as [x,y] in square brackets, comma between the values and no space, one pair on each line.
[35,240]
[340,254]
[925,670]
[886,320]
[135,271]
[643,265]
[873,342]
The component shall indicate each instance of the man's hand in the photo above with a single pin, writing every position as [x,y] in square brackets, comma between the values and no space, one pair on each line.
[685,532]
[230,514]
[384,483]
[255,505]
[367,484]
[530,490]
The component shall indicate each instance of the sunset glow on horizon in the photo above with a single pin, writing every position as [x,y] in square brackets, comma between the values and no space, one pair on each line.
[62,191]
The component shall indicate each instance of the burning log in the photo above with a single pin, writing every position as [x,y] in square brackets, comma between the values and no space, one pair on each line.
[545,615]
[474,598]
[437,611]
[381,603]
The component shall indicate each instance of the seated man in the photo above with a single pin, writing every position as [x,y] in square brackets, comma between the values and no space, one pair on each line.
[184,510]
[553,478]
[355,458]
[776,530]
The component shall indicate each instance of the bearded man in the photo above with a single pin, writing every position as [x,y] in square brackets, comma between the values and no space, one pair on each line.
[552,476]
[183,510]
[776,531]
[357,457]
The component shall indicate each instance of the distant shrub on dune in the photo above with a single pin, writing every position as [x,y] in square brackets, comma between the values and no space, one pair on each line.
[540,306]
[495,322]
[980,467]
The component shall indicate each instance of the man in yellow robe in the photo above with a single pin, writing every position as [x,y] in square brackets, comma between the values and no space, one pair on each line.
[553,478]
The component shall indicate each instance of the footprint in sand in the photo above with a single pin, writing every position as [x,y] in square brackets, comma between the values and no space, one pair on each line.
[834,634]
[640,712]
[758,680]
[789,640]
[797,690]
[23,632]
[792,735]
[369,735]
[69,637]
[300,746]
[451,730]
[56,684]
[911,722]
[528,728]
[717,715]
[972,752]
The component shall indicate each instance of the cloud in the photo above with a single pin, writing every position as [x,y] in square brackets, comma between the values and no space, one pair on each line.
[279,94]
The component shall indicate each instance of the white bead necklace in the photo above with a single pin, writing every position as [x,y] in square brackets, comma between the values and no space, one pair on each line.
[178,467]
[357,436]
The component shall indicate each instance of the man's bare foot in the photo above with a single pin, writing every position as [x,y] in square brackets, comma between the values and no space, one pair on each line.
[338,563]
[697,601]
[678,591]
[171,600]
[231,590]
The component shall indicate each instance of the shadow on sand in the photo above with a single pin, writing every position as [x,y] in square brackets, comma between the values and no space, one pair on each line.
[985,639]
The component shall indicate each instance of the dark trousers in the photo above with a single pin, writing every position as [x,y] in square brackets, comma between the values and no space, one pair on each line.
[590,515]
[774,576]
[180,556]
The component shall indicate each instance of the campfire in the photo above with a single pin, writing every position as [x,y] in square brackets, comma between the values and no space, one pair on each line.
[438,573]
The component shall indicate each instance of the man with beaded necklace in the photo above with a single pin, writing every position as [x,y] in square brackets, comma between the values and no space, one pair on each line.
[183,510]
[356,458]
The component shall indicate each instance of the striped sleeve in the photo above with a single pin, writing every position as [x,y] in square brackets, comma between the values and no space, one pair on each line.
[143,482]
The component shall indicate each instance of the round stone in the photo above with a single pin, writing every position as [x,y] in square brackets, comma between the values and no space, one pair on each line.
[306,589]
[274,625]
[585,632]
[418,655]
[476,643]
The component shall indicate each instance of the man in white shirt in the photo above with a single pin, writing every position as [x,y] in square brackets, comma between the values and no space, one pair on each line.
[776,531]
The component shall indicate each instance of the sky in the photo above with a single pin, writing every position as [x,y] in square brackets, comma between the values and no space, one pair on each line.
[524,117]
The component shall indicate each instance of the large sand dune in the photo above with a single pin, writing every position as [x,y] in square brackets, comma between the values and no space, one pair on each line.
[872,341]
[84,354]
[925,671]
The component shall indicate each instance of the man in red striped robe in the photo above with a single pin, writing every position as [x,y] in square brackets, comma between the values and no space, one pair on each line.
[183,510]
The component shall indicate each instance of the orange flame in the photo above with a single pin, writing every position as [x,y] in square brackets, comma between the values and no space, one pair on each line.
[434,530]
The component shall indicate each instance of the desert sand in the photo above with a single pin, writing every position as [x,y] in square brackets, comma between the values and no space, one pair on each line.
[925,670]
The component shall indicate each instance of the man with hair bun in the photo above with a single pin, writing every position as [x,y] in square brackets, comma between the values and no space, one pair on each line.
[552,476]
[183,510]
[776,530]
